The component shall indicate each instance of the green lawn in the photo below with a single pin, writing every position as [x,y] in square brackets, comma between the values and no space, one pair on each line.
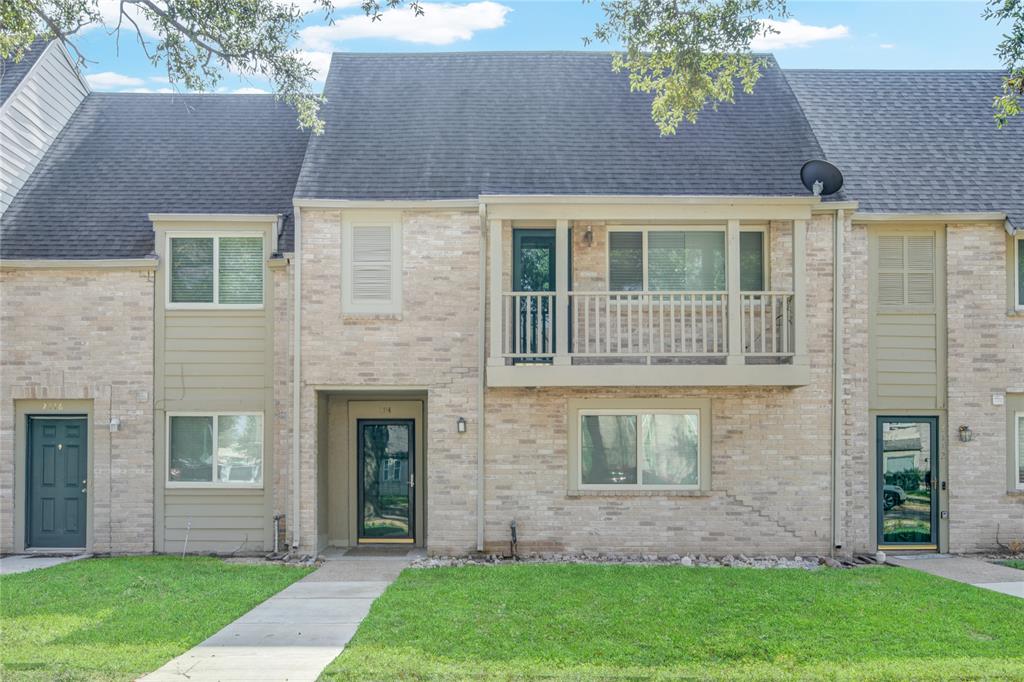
[114,619]
[1014,563]
[578,622]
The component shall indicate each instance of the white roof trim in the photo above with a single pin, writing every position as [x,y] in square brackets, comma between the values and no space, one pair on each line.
[694,199]
[386,203]
[939,217]
[214,217]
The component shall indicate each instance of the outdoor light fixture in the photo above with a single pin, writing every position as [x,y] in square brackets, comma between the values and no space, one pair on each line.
[588,236]
[114,425]
[461,425]
[966,435]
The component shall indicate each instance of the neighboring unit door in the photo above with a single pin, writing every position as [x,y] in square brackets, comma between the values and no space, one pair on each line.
[387,480]
[57,476]
[907,452]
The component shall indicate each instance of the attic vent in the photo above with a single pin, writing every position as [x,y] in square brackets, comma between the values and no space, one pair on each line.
[371,266]
[906,270]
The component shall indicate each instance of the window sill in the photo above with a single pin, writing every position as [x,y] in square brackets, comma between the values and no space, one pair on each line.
[638,493]
[1015,493]
[215,487]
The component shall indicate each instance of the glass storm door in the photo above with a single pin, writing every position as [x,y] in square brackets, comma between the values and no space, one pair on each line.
[386,480]
[907,449]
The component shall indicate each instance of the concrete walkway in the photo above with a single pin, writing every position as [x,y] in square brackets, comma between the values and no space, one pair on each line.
[296,633]
[971,571]
[19,563]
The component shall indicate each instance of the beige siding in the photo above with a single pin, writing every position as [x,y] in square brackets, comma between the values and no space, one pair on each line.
[907,318]
[34,115]
[213,361]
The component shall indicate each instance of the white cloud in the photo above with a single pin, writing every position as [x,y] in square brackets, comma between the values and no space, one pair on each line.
[107,80]
[887,46]
[110,13]
[249,90]
[792,33]
[321,61]
[441,24]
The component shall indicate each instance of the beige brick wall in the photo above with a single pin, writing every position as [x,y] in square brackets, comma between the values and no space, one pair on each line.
[84,334]
[431,345]
[770,452]
[986,357]
[858,454]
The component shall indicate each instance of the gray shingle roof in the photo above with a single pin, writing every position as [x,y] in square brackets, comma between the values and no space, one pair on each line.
[439,126]
[123,156]
[917,141]
[11,72]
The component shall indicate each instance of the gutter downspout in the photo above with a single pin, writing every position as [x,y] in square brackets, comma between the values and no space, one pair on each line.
[837,377]
[296,375]
[481,359]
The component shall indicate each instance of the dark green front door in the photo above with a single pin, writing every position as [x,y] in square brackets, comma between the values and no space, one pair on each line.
[57,467]
[387,480]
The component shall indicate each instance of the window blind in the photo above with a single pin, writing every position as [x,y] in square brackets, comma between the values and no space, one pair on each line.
[192,270]
[625,261]
[752,261]
[685,261]
[241,270]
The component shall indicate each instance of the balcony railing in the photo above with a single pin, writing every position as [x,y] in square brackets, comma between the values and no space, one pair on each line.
[725,337]
[646,327]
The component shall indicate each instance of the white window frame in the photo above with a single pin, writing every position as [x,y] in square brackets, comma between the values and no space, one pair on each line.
[639,413]
[1018,241]
[374,219]
[216,236]
[645,229]
[1018,484]
[168,483]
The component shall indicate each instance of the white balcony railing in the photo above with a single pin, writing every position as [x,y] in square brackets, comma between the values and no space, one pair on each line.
[649,326]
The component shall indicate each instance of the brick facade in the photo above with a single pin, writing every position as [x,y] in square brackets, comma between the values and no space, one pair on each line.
[986,359]
[84,335]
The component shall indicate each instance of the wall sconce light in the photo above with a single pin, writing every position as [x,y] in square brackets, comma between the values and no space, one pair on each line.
[966,435]
[588,236]
[461,425]
[114,424]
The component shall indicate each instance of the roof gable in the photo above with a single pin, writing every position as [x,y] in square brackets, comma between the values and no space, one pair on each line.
[457,125]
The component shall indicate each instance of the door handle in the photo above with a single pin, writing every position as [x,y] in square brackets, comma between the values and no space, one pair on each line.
[85,483]
[412,481]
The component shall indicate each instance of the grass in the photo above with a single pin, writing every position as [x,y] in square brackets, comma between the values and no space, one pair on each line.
[114,619]
[585,622]
[1014,563]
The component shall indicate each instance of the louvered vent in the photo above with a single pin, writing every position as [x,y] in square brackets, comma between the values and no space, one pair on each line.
[906,270]
[371,263]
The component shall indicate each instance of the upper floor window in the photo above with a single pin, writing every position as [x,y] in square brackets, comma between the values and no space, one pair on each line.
[371,270]
[207,270]
[681,260]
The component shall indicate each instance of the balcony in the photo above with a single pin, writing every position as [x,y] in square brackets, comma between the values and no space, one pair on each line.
[726,336]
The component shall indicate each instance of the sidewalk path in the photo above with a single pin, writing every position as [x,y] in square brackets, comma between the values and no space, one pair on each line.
[972,571]
[296,633]
[19,563]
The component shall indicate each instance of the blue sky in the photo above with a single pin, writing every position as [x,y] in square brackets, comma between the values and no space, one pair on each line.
[833,34]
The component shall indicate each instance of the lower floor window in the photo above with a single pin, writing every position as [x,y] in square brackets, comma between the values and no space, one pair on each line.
[623,449]
[1020,450]
[221,449]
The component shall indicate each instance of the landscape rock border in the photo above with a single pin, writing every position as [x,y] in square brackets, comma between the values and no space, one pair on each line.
[741,561]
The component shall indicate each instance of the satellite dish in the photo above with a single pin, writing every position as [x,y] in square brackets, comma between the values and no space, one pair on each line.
[821,178]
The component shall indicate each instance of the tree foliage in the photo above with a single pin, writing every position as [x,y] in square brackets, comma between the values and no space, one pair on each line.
[688,53]
[1011,53]
[198,41]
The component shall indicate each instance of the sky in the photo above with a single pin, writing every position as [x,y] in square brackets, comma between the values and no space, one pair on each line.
[827,34]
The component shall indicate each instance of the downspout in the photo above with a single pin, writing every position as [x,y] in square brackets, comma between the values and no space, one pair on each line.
[296,374]
[481,360]
[837,378]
